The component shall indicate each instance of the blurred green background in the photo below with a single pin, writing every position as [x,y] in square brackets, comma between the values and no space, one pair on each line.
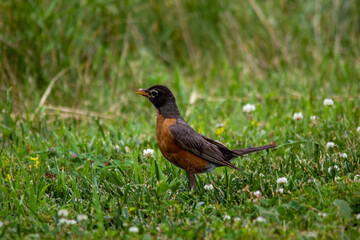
[100,51]
[73,131]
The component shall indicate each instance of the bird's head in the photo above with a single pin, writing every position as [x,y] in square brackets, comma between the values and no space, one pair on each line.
[158,95]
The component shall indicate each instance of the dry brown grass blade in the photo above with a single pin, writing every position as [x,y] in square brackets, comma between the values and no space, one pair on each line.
[186,33]
[48,90]
[78,112]
[270,30]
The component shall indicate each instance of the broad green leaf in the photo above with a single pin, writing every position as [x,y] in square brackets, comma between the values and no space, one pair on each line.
[344,208]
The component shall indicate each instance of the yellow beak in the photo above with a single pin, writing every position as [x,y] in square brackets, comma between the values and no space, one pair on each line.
[142,92]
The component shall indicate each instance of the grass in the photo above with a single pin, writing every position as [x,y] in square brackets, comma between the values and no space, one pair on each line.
[81,148]
[110,181]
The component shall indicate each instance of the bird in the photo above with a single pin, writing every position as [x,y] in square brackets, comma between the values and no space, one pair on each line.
[181,145]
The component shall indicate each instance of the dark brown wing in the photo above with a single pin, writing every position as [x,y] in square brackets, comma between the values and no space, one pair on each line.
[189,139]
[229,154]
[244,151]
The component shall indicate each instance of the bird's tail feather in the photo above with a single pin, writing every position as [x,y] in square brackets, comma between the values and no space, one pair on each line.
[253,149]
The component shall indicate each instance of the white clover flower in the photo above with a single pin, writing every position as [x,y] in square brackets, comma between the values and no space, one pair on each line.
[311,180]
[258,194]
[302,161]
[209,187]
[313,118]
[298,116]
[70,222]
[261,175]
[322,214]
[134,229]
[237,219]
[336,168]
[149,153]
[127,149]
[63,213]
[280,190]
[337,178]
[1,224]
[227,217]
[219,125]
[357,178]
[248,108]
[330,145]
[62,220]
[328,102]
[117,147]
[358,216]
[358,129]
[260,219]
[343,155]
[82,217]
[282,180]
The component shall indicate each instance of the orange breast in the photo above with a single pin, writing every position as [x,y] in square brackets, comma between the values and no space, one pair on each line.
[172,152]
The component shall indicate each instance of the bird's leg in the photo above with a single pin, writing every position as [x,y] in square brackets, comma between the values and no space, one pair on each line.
[192,181]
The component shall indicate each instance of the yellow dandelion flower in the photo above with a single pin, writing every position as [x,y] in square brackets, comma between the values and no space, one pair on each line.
[220,130]
[201,129]
[8,177]
[255,123]
[36,164]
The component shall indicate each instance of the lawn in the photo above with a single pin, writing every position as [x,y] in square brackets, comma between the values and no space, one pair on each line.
[75,137]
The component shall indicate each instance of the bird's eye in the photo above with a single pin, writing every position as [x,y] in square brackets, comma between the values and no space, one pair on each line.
[154,93]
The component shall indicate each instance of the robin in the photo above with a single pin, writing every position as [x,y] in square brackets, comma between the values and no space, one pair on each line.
[182,145]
